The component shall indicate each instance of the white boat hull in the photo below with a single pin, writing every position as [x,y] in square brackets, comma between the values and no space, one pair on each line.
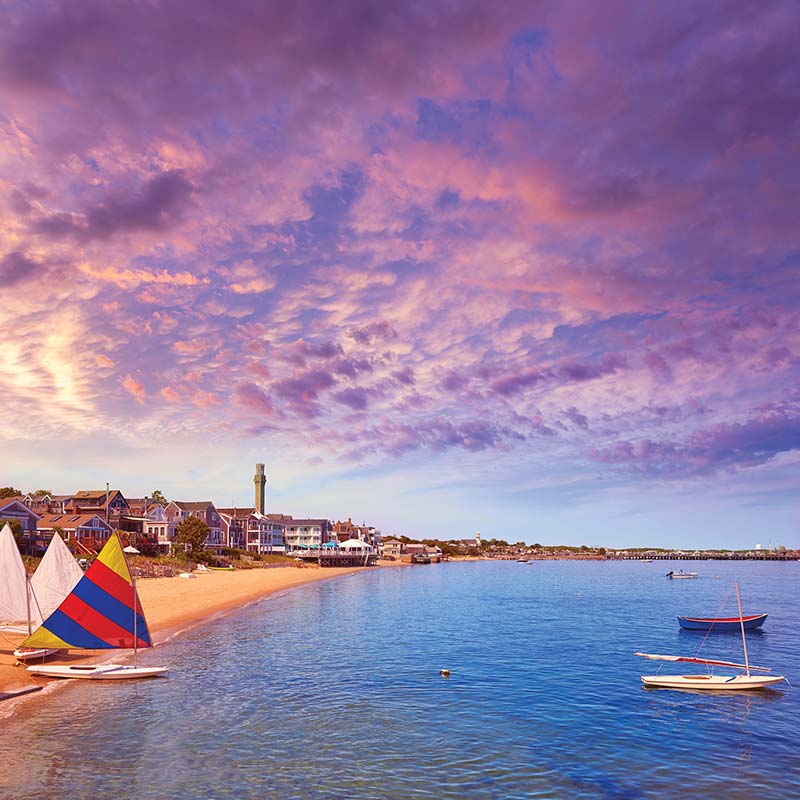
[30,653]
[106,672]
[726,682]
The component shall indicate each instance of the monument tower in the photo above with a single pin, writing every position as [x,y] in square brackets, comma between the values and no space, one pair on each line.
[260,481]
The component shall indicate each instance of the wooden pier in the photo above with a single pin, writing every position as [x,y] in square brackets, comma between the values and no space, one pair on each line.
[339,559]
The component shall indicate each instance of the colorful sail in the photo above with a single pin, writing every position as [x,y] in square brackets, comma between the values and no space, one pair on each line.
[99,612]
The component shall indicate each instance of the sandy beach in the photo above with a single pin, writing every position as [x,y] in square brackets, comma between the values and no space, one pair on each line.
[174,604]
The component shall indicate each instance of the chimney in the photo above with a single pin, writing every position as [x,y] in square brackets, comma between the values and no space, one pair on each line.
[260,481]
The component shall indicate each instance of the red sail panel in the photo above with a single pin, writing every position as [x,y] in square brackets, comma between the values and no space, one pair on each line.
[99,625]
[109,581]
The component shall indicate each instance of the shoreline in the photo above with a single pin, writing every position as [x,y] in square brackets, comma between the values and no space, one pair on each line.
[172,606]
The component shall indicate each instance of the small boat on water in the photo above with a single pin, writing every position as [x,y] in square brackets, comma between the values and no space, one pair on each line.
[749,622]
[710,681]
[681,574]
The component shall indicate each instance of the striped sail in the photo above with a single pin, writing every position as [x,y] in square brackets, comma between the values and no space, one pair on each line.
[99,612]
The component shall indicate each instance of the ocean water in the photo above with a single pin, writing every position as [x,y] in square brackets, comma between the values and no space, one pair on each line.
[334,691]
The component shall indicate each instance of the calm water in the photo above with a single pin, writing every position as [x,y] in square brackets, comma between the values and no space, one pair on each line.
[333,691]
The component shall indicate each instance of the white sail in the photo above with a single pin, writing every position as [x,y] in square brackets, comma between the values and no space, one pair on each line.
[55,577]
[18,608]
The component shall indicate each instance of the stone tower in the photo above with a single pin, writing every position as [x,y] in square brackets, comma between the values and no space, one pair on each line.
[260,481]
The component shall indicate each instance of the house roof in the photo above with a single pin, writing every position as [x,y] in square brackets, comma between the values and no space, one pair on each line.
[198,506]
[10,501]
[69,521]
[391,541]
[237,513]
[95,494]
[322,523]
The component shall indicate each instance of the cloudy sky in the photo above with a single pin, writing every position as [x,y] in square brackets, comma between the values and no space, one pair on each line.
[523,268]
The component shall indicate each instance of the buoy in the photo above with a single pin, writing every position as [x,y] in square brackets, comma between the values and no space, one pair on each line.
[445,673]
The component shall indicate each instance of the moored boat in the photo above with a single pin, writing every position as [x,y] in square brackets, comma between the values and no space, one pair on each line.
[709,680]
[722,623]
[671,575]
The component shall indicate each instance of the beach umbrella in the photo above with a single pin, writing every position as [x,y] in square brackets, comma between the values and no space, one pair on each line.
[130,549]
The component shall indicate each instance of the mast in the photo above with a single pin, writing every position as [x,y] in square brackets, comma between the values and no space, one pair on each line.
[741,622]
[135,634]
[28,600]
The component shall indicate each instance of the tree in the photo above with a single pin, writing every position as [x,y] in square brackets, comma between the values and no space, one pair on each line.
[43,491]
[16,529]
[159,498]
[192,534]
[9,491]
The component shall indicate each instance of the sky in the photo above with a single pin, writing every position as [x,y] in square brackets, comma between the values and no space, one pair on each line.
[529,269]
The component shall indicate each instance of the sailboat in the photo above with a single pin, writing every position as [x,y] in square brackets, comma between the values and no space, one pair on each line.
[54,579]
[19,609]
[101,612]
[709,681]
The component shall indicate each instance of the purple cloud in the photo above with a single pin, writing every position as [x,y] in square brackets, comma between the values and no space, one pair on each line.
[301,392]
[16,268]
[159,205]
[723,446]
[254,399]
[513,384]
[375,331]
[357,399]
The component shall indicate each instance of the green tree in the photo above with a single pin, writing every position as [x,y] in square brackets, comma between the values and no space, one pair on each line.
[43,491]
[192,533]
[16,529]
[159,498]
[9,491]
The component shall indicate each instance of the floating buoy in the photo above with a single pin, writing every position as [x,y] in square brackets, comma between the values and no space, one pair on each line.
[445,673]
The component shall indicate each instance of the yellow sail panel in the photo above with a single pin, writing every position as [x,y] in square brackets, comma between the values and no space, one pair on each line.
[112,556]
[42,637]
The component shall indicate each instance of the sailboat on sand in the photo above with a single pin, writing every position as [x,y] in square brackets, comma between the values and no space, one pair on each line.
[55,577]
[101,612]
[710,681]
[19,610]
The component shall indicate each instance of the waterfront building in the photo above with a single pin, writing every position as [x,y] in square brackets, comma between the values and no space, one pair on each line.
[110,504]
[347,530]
[90,531]
[306,533]
[178,510]
[392,548]
[148,520]
[12,508]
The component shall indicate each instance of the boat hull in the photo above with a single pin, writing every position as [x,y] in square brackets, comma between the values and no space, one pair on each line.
[721,623]
[30,653]
[98,672]
[727,682]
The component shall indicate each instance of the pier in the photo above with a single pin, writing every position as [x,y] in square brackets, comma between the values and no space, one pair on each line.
[334,559]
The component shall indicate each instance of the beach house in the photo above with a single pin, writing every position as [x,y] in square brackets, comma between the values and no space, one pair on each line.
[90,531]
[303,534]
[178,510]
[110,504]
[12,508]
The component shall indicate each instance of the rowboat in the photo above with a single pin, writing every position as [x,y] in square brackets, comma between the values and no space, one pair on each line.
[722,623]
[709,680]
